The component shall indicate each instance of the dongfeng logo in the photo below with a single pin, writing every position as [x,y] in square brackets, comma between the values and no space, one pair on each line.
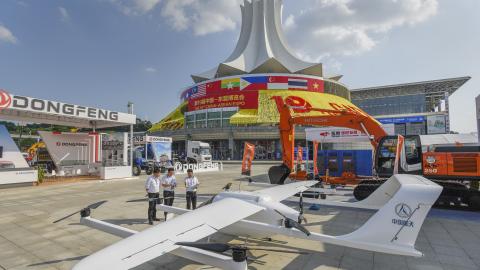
[403,211]
[5,99]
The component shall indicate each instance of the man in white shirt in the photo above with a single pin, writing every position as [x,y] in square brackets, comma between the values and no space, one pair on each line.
[152,186]
[191,184]
[169,183]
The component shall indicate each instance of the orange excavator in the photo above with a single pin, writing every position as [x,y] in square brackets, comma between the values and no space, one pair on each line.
[348,116]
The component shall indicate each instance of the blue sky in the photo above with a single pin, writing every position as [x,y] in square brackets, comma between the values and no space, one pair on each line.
[107,52]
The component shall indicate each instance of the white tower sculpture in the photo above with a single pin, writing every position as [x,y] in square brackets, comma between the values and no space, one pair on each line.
[261,47]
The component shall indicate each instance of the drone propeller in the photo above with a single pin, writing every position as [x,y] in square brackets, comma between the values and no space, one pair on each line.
[91,206]
[289,223]
[209,201]
[301,217]
[227,187]
[239,253]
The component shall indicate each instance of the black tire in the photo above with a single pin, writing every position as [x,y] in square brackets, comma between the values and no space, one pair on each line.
[149,170]
[474,202]
[136,170]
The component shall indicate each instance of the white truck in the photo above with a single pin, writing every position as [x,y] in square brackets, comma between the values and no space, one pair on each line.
[198,152]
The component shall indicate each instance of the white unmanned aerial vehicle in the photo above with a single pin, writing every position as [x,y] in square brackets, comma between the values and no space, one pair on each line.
[402,202]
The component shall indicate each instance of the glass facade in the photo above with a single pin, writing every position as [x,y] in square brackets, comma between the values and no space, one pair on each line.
[392,105]
[212,118]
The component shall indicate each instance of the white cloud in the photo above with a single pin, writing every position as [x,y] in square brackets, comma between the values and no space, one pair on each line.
[326,29]
[64,16]
[348,27]
[136,7]
[150,69]
[203,17]
[6,35]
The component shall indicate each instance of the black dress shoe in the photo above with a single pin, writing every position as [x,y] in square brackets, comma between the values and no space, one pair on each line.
[156,219]
[150,222]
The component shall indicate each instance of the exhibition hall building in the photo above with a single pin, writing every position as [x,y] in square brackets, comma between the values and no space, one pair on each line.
[234,102]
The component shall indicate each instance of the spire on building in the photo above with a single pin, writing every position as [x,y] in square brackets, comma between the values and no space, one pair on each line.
[261,47]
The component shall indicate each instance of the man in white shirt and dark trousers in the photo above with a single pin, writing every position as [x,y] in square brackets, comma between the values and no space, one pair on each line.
[152,186]
[191,184]
[169,184]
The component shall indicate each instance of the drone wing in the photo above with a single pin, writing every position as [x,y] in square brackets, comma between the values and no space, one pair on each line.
[281,192]
[159,240]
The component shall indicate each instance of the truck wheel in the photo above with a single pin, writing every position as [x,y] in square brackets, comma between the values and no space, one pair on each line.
[474,202]
[136,170]
[149,170]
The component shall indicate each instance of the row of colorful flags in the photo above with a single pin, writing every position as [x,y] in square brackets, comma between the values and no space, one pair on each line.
[254,83]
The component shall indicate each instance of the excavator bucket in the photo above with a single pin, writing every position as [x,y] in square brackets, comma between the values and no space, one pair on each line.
[278,174]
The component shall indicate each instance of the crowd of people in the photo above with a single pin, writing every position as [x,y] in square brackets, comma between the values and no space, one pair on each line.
[155,183]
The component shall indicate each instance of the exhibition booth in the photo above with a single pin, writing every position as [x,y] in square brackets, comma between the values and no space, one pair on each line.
[73,154]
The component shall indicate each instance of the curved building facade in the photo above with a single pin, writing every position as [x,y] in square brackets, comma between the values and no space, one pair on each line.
[233,102]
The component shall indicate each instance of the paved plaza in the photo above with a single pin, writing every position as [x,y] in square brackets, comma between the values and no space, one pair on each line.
[28,240]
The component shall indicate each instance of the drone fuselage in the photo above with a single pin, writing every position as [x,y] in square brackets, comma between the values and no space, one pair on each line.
[267,216]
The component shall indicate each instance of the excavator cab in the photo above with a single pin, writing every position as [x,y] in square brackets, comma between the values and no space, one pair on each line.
[411,159]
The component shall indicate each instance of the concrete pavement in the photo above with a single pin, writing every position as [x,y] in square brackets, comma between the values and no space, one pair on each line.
[29,240]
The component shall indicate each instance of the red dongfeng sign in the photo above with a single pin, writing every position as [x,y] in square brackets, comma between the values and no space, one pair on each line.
[5,99]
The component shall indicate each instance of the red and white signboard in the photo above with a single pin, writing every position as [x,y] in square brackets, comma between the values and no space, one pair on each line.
[335,135]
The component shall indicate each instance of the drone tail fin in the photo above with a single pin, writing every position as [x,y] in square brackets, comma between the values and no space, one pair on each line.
[395,227]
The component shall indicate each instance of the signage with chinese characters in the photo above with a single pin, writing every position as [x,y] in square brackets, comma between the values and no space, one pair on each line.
[335,135]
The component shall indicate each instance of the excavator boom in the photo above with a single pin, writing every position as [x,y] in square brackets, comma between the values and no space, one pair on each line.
[350,117]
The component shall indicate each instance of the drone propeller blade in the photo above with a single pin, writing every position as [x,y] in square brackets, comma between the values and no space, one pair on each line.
[65,217]
[215,247]
[96,205]
[281,214]
[209,201]
[300,227]
[227,187]
[279,250]
[91,206]
[294,224]
[301,203]
[300,216]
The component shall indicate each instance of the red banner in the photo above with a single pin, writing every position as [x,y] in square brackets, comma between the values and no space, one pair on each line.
[241,99]
[248,155]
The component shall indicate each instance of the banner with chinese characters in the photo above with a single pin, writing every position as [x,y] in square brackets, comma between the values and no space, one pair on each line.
[240,99]
[248,155]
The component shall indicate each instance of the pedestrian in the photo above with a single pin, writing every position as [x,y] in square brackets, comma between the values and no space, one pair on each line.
[152,186]
[169,184]
[191,184]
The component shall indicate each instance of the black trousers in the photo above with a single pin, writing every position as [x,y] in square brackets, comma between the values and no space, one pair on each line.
[168,197]
[191,199]
[152,206]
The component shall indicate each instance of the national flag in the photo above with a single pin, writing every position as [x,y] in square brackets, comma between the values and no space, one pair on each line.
[277,82]
[316,85]
[297,84]
[214,87]
[254,83]
[199,91]
[231,84]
